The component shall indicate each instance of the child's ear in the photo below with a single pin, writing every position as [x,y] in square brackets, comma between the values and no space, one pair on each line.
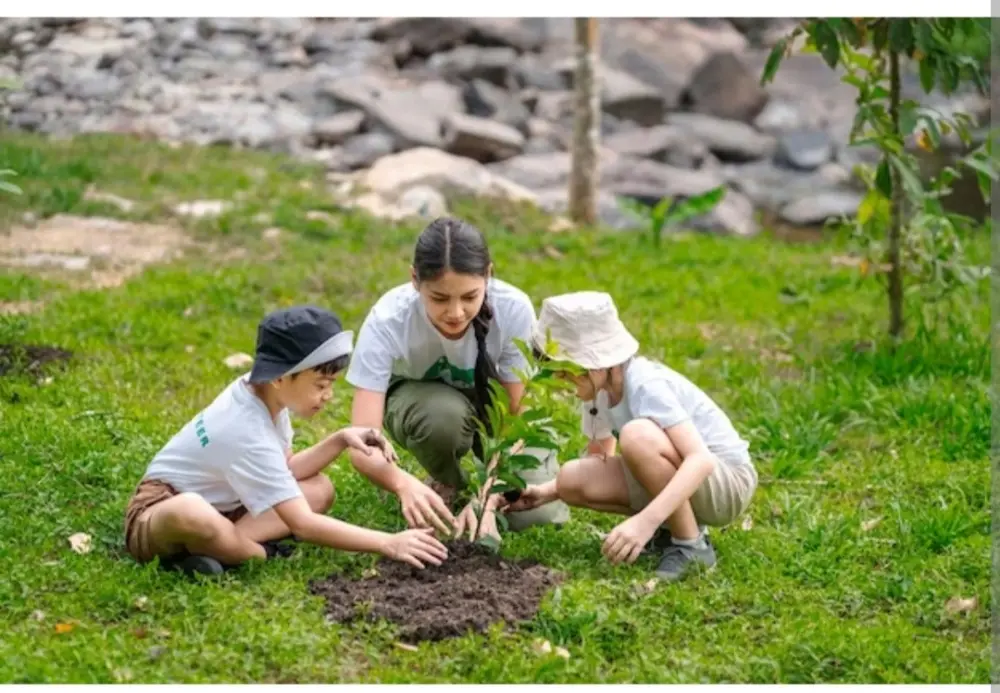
[413,278]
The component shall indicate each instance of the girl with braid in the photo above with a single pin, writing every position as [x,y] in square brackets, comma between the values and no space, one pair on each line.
[421,368]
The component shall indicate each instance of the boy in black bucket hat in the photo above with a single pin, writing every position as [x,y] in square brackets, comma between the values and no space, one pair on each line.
[226,487]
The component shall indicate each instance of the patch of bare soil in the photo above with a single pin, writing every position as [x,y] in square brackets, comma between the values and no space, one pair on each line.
[469,592]
[91,251]
[17,359]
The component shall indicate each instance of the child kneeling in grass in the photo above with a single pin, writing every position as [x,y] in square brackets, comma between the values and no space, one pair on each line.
[226,487]
[681,460]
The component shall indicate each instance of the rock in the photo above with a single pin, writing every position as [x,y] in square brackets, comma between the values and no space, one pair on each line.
[535,72]
[228,47]
[474,63]
[413,115]
[109,49]
[425,35]
[481,139]
[805,150]
[93,85]
[733,215]
[554,105]
[729,140]
[772,187]
[622,95]
[649,181]
[293,57]
[201,209]
[724,87]
[364,150]
[448,173]
[142,30]
[422,201]
[664,143]
[779,116]
[485,100]
[336,129]
[817,209]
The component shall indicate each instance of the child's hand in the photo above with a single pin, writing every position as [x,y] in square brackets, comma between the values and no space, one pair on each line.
[366,440]
[416,547]
[627,540]
[530,498]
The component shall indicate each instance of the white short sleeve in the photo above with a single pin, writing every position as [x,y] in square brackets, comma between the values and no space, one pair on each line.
[655,400]
[374,353]
[261,479]
[595,426]
[518,324]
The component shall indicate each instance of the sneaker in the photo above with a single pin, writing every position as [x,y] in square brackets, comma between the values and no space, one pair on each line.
[658,544]
[194,565]
[273,549]
[678,559]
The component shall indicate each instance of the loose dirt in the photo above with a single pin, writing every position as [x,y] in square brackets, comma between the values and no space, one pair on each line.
[472,590]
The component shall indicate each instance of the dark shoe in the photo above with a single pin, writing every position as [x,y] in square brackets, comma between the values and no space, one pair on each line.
[658,544]
[679,559]
[194,565]
[277,550]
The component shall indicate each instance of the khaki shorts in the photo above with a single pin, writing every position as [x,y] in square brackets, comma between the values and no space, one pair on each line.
[721,498]
[147,494]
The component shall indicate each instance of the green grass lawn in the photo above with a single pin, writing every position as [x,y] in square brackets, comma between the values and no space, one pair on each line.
[873,509]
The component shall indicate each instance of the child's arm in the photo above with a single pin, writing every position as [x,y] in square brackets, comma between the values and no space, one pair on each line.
[697,464]
[366,441]
[416,547]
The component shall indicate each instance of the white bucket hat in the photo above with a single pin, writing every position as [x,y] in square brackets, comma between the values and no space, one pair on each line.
[586,328]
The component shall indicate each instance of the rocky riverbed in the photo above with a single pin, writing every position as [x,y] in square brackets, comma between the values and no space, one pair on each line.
[415,110]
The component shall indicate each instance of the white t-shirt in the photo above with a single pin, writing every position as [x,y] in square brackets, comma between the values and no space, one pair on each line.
[397,340]
[231,453]
[654,391]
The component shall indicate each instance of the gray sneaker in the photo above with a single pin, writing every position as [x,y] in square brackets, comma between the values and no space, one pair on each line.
[679,559]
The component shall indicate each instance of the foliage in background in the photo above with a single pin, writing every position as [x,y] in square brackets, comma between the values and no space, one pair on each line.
[924,241]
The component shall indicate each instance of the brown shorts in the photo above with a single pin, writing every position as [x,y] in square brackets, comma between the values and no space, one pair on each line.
[148,493]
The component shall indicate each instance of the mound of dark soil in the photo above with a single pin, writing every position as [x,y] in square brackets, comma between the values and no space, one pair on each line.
[16,359]
[470,591]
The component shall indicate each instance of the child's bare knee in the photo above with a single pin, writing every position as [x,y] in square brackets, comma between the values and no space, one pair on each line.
[570,483]
[640,437]
[319,492]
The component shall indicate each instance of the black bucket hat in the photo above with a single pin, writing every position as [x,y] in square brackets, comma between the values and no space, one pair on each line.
[291,340]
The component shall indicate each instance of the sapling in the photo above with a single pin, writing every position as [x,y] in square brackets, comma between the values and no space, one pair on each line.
[500,461]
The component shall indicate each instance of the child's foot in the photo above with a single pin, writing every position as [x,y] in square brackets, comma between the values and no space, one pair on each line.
[194,565]
[679,558]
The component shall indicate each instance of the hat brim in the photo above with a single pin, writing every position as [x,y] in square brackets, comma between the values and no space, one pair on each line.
[607,353]
[265,370]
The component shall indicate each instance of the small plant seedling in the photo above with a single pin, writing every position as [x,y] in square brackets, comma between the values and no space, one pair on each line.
[669,212]
[499,466]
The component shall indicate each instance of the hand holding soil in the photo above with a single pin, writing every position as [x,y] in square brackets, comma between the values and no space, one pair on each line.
[417,547]
[532,497]
[367,440]
[423,508]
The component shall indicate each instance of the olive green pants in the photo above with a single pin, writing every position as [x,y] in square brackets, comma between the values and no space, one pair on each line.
[436,422]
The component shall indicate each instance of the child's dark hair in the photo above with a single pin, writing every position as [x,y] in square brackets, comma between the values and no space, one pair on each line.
[328,368]
[452,244]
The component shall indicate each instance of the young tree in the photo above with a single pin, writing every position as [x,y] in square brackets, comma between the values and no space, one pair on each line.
[586,125]
[923,239]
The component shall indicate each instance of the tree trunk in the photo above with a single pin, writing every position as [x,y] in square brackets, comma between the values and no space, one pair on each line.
[895,212]
[586,126]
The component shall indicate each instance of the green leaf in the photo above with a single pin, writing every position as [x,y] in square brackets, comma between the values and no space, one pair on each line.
[907,120]
[880,35]
[924,38]
[883,179]
[697,205]
[907,170]
[901,36]
[10,188]
[828,43]
[490,542]
[774,61]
